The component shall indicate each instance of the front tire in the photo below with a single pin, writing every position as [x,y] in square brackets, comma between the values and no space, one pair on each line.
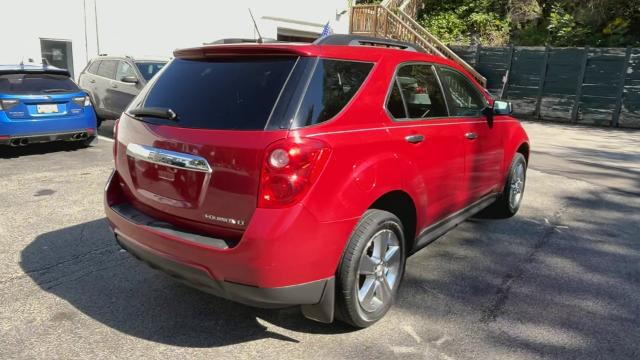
[371,269]
[508,204]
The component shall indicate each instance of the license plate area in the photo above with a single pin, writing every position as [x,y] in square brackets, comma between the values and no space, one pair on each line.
[47,108]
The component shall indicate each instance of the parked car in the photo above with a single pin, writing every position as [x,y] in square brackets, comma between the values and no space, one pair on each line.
[287,174]
[113,81]
[40,103]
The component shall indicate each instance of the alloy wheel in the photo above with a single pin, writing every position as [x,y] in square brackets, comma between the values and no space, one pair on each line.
[378,271]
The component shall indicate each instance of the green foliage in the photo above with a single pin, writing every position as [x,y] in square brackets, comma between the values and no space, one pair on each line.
[612,23]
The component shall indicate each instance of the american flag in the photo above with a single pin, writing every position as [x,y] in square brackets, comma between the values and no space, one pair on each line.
[326,30]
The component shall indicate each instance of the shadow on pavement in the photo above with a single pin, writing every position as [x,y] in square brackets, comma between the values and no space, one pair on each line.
[553,285]
[562,288]
[83,265]
[8,152]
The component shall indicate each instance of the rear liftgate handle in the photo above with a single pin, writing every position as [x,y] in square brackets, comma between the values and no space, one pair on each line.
[414,139]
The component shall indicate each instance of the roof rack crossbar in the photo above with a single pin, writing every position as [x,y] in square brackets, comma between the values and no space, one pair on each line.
[355,40]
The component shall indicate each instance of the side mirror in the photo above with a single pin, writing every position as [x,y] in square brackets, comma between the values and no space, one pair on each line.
[502,107]
[129,79]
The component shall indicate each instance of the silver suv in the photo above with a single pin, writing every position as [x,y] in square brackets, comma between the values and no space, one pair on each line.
[113,81]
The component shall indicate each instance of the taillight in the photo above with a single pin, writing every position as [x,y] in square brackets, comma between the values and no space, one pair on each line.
[8,104]
[289,169]
[115,137]
[82,101]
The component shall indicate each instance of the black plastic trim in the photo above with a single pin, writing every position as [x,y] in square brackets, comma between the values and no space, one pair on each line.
[131,214]
[440,228]
[310,293]
[361,40]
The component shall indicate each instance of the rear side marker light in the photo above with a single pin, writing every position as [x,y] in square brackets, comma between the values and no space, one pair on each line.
[289,169]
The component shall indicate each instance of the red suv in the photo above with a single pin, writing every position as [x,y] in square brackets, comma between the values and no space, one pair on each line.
[305,174]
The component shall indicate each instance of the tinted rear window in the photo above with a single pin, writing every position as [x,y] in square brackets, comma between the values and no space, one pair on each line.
[333,84]
[36,84]
[225,94]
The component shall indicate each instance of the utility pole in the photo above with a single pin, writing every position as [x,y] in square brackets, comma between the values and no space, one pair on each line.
[95,14]
[86,42]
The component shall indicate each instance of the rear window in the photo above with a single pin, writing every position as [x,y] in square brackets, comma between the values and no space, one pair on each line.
[332,86]
[224,93]
[94,67]
[36,84]
[148,69]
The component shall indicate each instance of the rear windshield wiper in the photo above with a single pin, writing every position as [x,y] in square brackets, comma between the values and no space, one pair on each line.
[55,90]
[158,112]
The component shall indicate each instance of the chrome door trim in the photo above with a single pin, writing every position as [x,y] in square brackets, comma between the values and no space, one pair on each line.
[168,158]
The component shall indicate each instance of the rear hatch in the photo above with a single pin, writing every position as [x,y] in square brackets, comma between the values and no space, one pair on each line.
[190,147]
[39,95]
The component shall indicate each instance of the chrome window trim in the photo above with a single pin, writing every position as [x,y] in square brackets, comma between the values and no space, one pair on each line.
[168,158]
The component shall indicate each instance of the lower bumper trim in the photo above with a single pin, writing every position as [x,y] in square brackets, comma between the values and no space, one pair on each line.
[310,293]
[48,137]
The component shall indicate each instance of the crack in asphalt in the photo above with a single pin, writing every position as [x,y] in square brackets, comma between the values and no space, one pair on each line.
[110,250]
[503,291]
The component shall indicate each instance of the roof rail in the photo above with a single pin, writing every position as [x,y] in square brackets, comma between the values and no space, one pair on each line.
[359,40]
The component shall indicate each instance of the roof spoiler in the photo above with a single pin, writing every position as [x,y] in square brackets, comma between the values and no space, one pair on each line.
[361,40]
[241,49]
[43,70]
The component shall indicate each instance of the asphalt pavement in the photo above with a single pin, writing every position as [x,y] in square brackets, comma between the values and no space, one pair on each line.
[561,280]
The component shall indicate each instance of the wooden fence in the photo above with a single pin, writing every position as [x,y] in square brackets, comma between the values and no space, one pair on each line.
[597,86]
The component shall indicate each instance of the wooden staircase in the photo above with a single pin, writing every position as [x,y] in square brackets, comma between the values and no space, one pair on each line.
[394,19]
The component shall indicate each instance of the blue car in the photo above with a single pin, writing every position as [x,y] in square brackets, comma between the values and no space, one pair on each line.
[42,104]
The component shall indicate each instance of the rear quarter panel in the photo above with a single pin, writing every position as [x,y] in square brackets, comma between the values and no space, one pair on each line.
[363,165]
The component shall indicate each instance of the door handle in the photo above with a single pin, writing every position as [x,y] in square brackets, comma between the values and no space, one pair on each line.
[115,86]
[414,139]
[471,135]
[92,81]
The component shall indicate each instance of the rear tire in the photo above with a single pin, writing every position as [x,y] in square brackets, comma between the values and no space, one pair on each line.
[371,269]
[508,204]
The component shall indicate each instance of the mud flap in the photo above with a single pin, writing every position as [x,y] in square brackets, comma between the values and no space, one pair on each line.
[324,310]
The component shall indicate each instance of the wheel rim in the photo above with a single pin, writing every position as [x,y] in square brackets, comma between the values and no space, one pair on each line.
[378,270]
[517,186]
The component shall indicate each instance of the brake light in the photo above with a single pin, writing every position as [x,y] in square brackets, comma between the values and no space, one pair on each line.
[82,101]
[8,104]
[289,169]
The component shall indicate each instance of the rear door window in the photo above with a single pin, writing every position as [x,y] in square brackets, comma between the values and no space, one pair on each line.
[24,83]
[222,93]
[108,69]
[93,68]
[416,87]
[332,86]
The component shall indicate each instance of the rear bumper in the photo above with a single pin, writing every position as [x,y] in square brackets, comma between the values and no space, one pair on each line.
[55,127]
[285,257]
[301,294]
[74,135]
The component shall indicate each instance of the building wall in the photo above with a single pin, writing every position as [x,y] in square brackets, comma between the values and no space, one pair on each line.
[154,28]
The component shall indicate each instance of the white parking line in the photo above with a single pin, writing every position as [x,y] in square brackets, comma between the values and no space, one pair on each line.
[105,138]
